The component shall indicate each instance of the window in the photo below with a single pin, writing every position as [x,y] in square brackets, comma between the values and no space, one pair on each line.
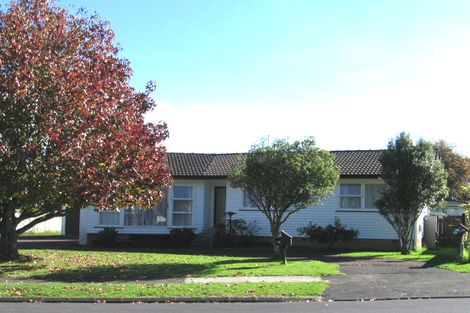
[350,196]
[109,218]
[147,217]
[182,205]
[372,192]
[247,203]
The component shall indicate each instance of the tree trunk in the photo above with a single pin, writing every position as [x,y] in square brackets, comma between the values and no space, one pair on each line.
[8,236]
[405,246]
[276,247]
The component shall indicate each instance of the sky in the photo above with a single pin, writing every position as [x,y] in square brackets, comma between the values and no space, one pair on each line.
[353,74]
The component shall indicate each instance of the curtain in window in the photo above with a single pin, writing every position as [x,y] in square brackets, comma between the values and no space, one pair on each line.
[182,206]
[147,217]
[350,189]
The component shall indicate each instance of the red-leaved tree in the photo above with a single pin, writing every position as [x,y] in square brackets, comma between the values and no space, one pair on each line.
[72,130]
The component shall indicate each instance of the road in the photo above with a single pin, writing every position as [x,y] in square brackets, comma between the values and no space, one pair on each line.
[394,279]
[391,306]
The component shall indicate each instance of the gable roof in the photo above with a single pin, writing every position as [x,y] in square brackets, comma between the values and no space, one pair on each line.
[352,163]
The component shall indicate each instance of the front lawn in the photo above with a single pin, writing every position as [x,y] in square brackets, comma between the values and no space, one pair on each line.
[105,274]
[104,266]
[81,290]
[442,257]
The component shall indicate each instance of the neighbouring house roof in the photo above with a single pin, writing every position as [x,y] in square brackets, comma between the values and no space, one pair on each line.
[352,163]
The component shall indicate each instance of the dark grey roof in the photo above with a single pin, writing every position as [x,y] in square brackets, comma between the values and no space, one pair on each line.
[358,162]
[352,163]
[202,164]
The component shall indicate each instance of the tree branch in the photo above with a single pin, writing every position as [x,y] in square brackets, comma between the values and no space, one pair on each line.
[38,220]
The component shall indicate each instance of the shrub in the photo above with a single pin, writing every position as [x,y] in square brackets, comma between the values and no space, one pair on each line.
[241,228]
[464,256]
[327,236]
[182,236]
[242,233]
[108,234]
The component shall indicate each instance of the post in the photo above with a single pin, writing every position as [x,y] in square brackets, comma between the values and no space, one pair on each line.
[230,214]
[286,242]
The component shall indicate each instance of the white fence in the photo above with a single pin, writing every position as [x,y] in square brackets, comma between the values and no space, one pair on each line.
[56,224]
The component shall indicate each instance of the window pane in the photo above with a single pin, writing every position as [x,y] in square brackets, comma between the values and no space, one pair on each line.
[109,218]
[182,205]
[146,217]
[161,209]
[247,203]
[350,189]
[350,202]
[183,192]
[182,219]
[372,193]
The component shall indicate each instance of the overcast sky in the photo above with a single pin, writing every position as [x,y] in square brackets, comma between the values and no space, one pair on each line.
[353,74]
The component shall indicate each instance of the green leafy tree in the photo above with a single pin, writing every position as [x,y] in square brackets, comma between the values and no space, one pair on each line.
[458,168]
[283,178]
[72,129]
[414,179]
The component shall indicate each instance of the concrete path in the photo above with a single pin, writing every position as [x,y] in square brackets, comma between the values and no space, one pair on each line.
[254,279]
[394,279]
[196,280]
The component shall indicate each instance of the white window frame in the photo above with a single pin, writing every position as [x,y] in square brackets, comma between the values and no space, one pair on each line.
[360,196]
[173,199]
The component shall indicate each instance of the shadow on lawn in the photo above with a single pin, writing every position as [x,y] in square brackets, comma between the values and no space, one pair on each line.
[252,251]
[130,272]
[440,256]
[426,259]
[143,272]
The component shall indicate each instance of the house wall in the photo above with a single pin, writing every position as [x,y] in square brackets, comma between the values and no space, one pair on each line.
[89,217]
[452,208]
[369,222]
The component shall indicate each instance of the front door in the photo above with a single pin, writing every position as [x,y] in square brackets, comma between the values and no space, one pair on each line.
[219,205]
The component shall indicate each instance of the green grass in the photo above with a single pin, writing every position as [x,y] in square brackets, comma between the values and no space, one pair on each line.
[419,255]
[105,274]
[104,266]
[80,290]
[442,258]
[42,233]
[456,267]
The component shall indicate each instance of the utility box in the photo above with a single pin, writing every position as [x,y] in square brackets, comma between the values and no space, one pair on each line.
[286,240]
[430,231]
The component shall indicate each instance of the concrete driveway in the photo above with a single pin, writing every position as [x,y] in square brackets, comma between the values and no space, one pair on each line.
[394,279]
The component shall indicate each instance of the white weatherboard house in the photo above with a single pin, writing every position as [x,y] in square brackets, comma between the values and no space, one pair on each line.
[201,195]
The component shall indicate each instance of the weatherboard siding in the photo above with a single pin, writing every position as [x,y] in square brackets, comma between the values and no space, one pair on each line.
[370,223]
[89,217]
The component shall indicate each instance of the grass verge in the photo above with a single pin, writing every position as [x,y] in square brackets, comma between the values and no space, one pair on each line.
[442,257]
[80,290]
